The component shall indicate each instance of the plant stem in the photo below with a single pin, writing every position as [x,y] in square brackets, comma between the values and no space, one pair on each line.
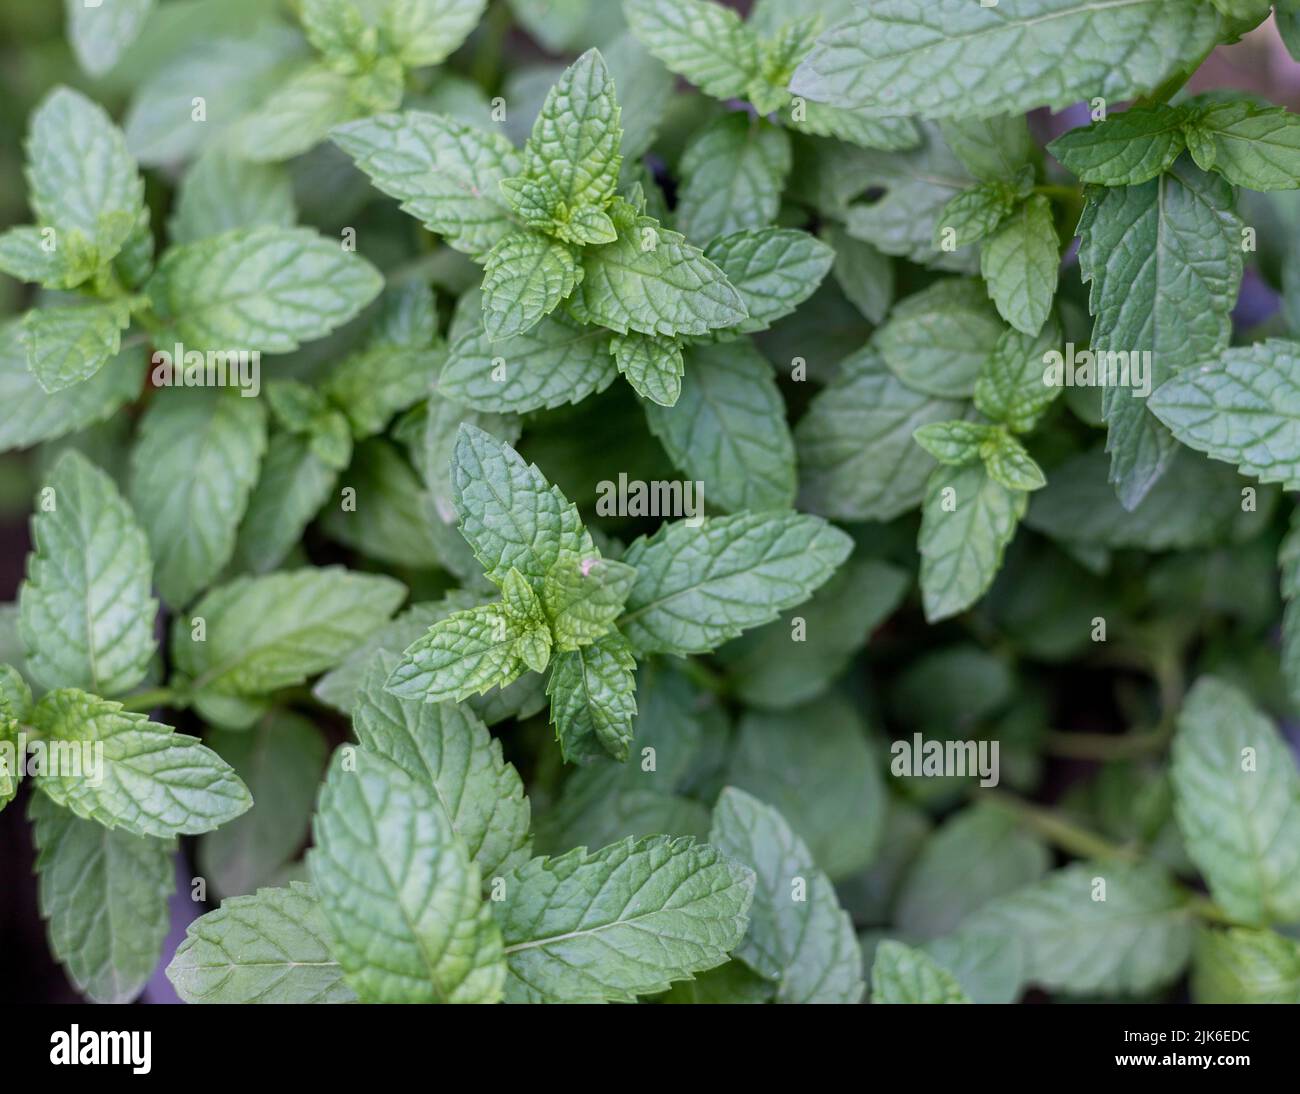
[1054,828]
[1203,907]
[150,698]
[1070,194]
[1105,746]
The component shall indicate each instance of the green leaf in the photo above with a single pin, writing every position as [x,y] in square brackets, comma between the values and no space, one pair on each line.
[698,586]
[864,274]
[774,270]
[624,921]
[68,345]
[552,364]
[950,59]
[582,597]
[468,653]
[509,514]
[815,764]
[574,146]
[101,33]
[652,365]
[148,780]
[1008,463]
[265,633]
[1164,260]
[272,947]
[1010,387]
[1098,928]
[901,974]
[1249,145]
[707,43]
[782,664]
[886,134]
[194,463]
[967,521]
[291,487]
[857,460]
[954,443]
[445,173]
[976,856]
[1237,799]
[221,193]
[33,254]
[427,32]
[593,699]
[1241,409]
[280,760]
[729,428]
[937,340]
[732,173]
[1021,262]
[972,214]
[1125,149]
[651,280]
[798,936]
[993,149]
[526,276]
[399,891]
[265,288]
[104,897]
[448,750]
[80,176]
[296,115]
[87,616]
[1245,966]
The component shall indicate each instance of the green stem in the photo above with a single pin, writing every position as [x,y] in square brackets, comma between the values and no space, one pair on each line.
[1069,194]
[1054,828]
[147,700]
[1203,907]
[1105,746]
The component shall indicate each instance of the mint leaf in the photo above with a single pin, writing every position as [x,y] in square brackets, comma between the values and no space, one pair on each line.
[445,173]
[1010,387]
[624,921]
[1126,149]
[901,974]
[1021,262]
[652,365]
[104,895]
[947,61]
[937,340]
[696,587]
[526,276]
[1249,145]
[807,945]
[1241,409]
[954,443]
[68,345]
[707,43]
[732,172]
[582,597]
[221,193]
[271,947]
[967,521]
[448,750]
[1008,463]
[728,429]
[264,288]
[773,270]
[427,32]
[297,115]
[1237,795]
[87,616]
[1244,966]
[593,699]
[1164,260]
[100,34]
[154,781]
[399,891]
[194,464]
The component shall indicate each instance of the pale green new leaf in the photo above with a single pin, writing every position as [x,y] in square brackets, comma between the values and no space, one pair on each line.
[67,345]
[87,618]
[1237,799]
[400,892]
[263,288]
[1245,966]
[525,277]
[953,58]
[448,750]
[194,464]
[966,523]
[652,365]
[624,921]
[100,33]
[103,894]
[728,428]
[296,115]
[1021,262]
[1125,149]
[271,947]
[1008,463]
[806,945]
[698,586]
[593,699]
[954,443]
[149,779]
[732,174]
[427,32]
[583,596]
[468,653]
[901,974]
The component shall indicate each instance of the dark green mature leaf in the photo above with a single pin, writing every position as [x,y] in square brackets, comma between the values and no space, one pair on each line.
[271,947]
[937,340]
[951,58]
[103,893]
[624,921]
[732,172]
[87,616]
[1249,145]
[593,699]
[1126,149]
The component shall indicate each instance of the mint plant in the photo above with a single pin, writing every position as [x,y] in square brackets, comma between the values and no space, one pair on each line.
[919,622]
